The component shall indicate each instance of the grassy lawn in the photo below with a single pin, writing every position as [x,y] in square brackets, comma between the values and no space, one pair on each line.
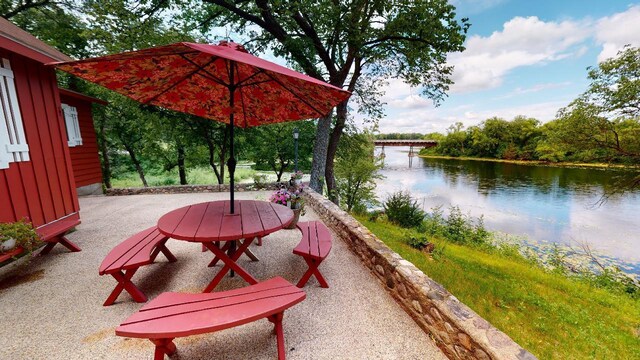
[195,176]
[548,314]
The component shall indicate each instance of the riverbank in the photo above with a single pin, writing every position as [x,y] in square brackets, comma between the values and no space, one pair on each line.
[601,166]
[551,315]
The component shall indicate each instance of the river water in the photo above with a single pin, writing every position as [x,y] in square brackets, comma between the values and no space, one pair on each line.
[541,205]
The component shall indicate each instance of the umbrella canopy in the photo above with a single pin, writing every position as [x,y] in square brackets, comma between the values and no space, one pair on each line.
[220,82]
[198,79]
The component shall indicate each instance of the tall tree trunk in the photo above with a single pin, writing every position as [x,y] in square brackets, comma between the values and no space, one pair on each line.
[223,154]
[212,158]
[136,162]
[320,153]
[341,118]
[181,169]
[106,165]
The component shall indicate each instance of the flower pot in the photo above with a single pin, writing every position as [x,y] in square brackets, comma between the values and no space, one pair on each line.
[298,182]
[296,217]
[8,245]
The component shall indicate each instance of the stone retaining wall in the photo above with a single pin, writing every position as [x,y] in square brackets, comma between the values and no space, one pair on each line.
[181,189]
[456,329]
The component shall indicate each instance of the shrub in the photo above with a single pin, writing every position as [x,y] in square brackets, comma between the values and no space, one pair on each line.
[260,180]
[401,209]
[23,232]
[417,241]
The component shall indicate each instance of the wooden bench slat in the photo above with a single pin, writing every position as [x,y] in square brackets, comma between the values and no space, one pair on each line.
[169,298]
[133,252]
[222,314]
[184,306]
[316,240]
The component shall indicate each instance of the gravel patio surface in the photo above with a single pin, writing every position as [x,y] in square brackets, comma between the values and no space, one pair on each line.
[52,309]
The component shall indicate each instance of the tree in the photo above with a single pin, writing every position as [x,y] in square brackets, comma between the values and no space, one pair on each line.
[615,85]
[604,122]
[356,171]
[272,146]
[340,41]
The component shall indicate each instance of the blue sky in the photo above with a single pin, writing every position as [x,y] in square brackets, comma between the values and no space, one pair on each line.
[523,57]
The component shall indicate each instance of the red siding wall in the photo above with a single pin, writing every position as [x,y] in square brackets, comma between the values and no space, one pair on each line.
[42,189]
[84,158]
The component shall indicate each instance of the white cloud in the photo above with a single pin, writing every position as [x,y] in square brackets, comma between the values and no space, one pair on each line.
[618,30]
[522,42]
[534,89]
[411,102]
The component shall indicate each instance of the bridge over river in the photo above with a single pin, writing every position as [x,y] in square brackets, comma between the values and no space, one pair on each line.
[410,143]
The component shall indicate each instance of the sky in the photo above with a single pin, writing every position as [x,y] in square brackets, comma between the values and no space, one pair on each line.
[522,57]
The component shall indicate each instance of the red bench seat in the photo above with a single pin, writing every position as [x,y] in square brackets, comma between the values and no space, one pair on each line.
[126,258]
[173,315]
[314,247]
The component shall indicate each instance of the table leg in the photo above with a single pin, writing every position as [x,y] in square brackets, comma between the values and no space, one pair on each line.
[230,264]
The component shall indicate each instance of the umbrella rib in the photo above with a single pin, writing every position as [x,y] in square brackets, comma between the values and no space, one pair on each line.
[210,75]
[173,85]
[256,83]
[296,95]
[242,83]
[244,110]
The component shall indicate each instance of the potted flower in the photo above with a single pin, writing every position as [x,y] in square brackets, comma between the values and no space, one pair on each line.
[17,237]
[292,198]
[296,178]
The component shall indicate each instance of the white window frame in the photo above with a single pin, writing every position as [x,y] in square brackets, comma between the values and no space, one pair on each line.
[13,143]
[72,123]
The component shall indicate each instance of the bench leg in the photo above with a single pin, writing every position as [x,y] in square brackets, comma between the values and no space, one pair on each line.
[124,283]
[162,247]
[250,254]
[163,346]
[313,270]
[229,264]
[215,260]
[277,329]
[62,241]
[259,243]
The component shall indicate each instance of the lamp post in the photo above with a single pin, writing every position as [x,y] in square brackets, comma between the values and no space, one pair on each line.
[296,134]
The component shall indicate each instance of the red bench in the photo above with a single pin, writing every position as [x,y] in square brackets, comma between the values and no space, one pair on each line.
[53,233]
[314,247]
[173,315]
[126,258]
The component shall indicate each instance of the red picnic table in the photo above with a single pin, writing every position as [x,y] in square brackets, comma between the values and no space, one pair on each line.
[211,222]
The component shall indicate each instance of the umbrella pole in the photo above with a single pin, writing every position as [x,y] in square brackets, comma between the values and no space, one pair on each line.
[231,164]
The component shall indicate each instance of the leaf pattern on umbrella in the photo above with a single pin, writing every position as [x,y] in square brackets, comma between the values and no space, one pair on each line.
[194,79]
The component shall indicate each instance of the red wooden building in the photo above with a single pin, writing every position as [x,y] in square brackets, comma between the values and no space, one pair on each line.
[36,173]
[82,141]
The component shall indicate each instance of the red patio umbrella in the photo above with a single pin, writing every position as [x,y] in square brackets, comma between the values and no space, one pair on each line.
[220,82]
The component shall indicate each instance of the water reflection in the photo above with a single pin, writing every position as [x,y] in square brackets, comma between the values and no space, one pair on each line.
[543,204]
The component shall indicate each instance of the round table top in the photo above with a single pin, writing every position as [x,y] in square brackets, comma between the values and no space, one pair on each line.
[212,221]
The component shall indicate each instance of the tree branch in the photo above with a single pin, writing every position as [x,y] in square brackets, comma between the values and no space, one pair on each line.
[307,27]
[25,6]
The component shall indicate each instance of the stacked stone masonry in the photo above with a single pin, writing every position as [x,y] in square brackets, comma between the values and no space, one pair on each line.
[181,189]
[456,329]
